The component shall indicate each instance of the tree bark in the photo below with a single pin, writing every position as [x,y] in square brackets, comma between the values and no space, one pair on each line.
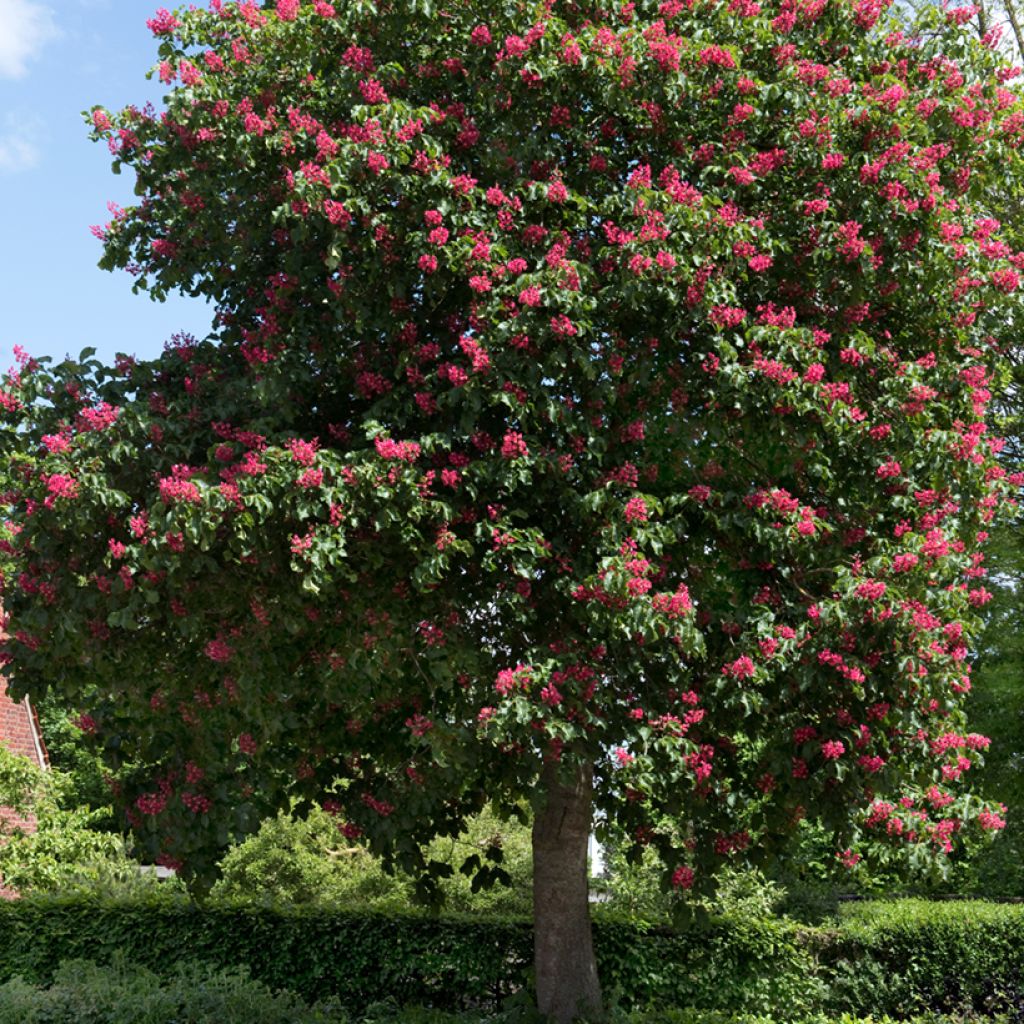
[563,946]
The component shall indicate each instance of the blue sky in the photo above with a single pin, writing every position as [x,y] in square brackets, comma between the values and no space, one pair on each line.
[57,58]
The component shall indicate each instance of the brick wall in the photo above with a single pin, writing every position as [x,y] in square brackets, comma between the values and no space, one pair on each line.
[19,730]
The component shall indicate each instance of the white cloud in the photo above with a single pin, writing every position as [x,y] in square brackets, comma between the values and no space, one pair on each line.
[19,143]
[25,27]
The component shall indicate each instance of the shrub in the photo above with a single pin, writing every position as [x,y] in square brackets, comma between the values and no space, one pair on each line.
[302,861]
[448,962]
[737,965]
[119,993]
[306,861]
[65,849]
[88,993]
[315,951]
[897,959]
[912,956]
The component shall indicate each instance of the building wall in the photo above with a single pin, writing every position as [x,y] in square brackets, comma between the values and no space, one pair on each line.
[19,730]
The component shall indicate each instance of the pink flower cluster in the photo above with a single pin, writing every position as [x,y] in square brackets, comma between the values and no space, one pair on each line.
[402,451]
[99,417]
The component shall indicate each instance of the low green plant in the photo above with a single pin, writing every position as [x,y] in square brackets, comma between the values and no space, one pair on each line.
[121,993]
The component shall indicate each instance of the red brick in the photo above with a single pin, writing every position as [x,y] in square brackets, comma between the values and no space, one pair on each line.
[19,730]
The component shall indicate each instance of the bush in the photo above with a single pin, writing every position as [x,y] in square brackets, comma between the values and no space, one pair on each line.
[899,959]
[82,992]
[448,962]
[739,965]
[302,861]
[912,956]
[119,993]
[306,861]
[86,993]
[315,951]
[68,847]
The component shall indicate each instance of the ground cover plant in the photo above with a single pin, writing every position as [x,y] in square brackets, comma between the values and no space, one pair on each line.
[85,993]
[594,414]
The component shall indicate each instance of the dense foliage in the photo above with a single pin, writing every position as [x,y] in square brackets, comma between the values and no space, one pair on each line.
[360,957]
[539,329]
[71,753]
[85,993]
[898,959]
[66,845]
[907,956]
[294,861]
[595,410]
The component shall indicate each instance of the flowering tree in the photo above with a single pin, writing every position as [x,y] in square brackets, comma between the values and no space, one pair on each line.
[996,22]
[594,413]
[996,704]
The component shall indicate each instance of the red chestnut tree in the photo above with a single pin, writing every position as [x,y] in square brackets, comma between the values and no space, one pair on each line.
[594,412]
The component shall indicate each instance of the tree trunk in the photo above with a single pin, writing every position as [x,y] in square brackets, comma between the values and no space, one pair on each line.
[563,947]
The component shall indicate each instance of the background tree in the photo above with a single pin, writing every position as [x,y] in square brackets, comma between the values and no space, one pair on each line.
[65,848]
[997,23]
[595,412]
[997,700]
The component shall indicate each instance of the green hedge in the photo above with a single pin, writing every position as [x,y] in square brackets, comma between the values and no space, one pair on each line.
[358,957]
[740,966]
[446,962]
[899,959]
[86,993]
[908,956]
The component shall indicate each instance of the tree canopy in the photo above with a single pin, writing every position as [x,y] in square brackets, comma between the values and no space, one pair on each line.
[596,398]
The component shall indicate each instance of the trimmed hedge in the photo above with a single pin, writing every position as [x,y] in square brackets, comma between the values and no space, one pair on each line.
[447,962]
[908,956]
[85,993]
[899,959]
[358,957]
[737,965]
